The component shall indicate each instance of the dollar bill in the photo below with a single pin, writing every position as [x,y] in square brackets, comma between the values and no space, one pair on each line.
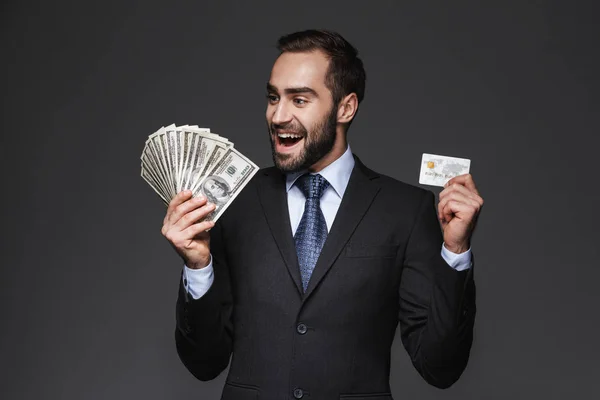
[196,158]
[150,180]
[152,159]
[193,152]
[160,142]
[225,181]
[149,172]
[174,149]
[210,150]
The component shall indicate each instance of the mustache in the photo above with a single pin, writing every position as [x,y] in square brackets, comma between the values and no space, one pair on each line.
[288,128]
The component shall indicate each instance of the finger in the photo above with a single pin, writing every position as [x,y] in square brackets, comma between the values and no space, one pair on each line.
[459,197]
[458,209]
[465,180]
[193,216]
[445,212]
[188,239]
[194,230]
[185,208]
[455,187]
[460,193]
[176,201]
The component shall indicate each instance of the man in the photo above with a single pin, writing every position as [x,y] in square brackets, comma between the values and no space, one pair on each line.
[305,277]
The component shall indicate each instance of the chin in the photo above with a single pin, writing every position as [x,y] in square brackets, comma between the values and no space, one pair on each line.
[287,163]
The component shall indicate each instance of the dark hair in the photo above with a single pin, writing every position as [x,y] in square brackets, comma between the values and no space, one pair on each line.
[345,74]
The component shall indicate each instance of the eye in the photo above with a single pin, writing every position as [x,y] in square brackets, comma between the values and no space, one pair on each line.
[271,98]
[300,102]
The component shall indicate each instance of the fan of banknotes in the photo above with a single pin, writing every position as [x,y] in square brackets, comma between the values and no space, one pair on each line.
[177,158]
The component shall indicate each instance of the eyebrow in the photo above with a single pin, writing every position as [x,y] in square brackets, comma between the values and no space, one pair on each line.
[293,90]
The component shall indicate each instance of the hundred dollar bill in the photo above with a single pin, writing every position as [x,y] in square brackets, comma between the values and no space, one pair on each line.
[225,181]
[150,179]
[160,143]
[149,172]
[175,153]
[211,149]
[190,155]
[187,143]
[192,159]
[151,162]
[198,153]
[218,152]
[155,154]
[207,131]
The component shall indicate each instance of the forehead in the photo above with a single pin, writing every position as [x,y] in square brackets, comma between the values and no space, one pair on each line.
[306,69]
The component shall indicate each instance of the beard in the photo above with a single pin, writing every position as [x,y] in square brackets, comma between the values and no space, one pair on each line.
[318,142]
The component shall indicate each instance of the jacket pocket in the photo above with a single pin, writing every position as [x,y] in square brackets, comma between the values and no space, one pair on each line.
[367,396]
[366,250]
[237,391]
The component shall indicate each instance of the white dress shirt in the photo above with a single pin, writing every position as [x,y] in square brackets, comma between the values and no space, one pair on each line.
[198,281]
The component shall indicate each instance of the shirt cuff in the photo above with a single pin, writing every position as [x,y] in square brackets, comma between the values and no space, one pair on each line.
[198,281]
[459,262]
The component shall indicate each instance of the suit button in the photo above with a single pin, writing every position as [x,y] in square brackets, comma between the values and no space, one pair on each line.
[301,328]
[298,393]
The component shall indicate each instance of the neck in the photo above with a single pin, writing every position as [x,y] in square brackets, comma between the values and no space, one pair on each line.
[339,148]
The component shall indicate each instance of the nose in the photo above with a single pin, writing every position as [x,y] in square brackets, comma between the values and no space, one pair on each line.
[281,114]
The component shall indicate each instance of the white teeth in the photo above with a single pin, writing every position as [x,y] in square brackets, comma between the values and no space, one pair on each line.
[288,136]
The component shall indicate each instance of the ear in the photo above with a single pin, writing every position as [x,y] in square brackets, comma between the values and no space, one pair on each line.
[347,108]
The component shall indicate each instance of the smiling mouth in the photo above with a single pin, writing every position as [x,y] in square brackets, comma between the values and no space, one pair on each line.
[288,139]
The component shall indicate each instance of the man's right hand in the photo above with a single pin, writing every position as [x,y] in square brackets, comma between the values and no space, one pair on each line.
[182,229]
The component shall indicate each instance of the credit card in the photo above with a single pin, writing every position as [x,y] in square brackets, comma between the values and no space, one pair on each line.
[436,170]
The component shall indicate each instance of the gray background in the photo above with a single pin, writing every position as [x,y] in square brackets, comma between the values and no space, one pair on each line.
[89,284]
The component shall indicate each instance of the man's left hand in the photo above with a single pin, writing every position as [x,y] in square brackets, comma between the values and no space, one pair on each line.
[458,210]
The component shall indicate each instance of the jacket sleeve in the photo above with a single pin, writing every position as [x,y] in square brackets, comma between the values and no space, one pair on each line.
[437,303]
[204,328]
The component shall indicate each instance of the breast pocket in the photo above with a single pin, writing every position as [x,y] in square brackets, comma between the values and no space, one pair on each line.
[369,250]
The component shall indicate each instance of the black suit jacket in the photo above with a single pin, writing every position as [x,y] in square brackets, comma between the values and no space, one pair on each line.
[380,266]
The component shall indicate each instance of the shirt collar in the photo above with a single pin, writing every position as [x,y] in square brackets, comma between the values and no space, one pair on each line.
[337,173]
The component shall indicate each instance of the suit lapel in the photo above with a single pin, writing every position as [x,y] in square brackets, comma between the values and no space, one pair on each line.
[273,198]
[359,195]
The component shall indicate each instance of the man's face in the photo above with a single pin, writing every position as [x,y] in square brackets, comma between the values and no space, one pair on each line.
[214,188]
[301,116]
